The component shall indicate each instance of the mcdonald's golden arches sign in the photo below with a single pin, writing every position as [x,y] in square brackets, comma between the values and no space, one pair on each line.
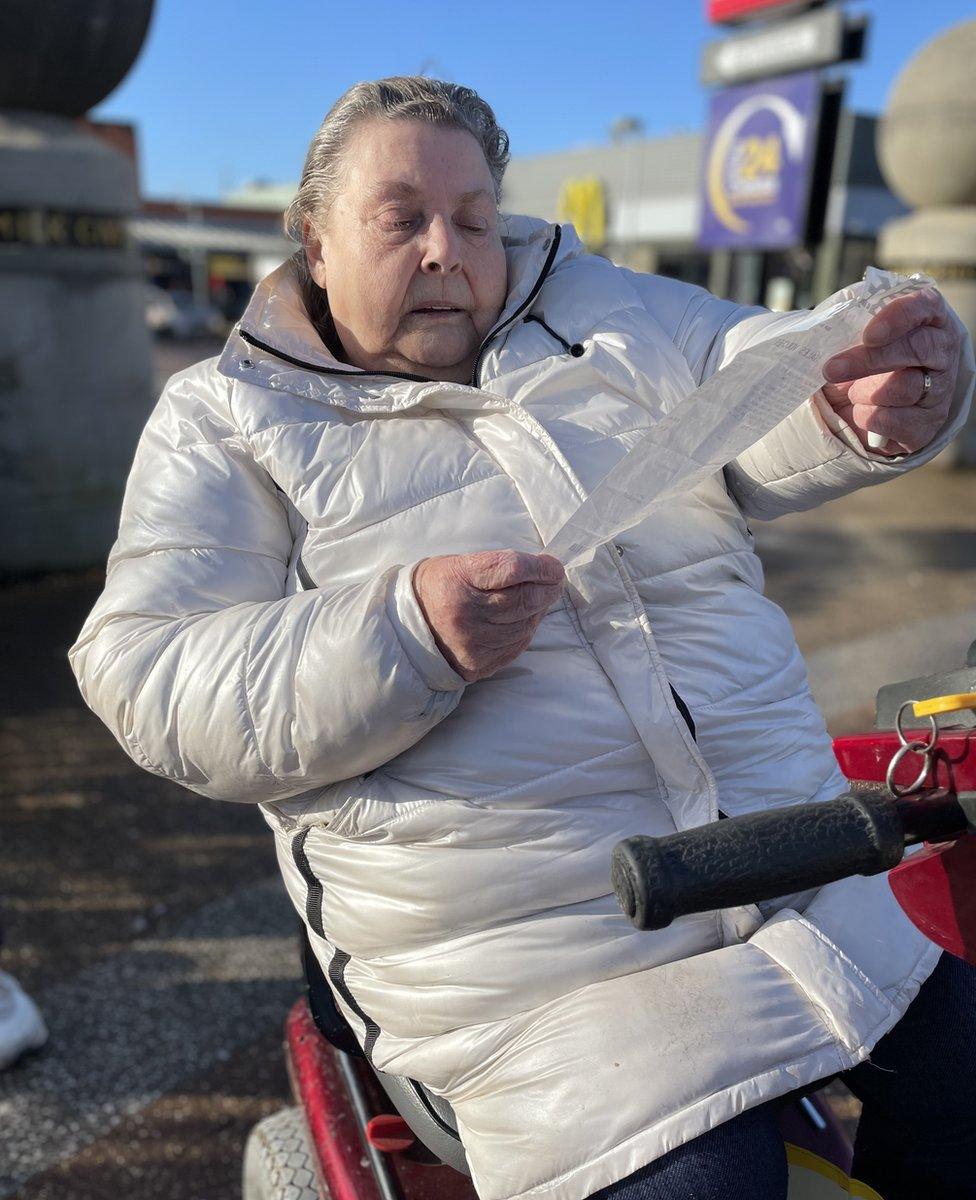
[582,204]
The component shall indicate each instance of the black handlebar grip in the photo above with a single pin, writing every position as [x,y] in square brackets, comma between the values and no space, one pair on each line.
[742,860]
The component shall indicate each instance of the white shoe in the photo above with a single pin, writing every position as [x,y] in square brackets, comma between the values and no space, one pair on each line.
[22,1027]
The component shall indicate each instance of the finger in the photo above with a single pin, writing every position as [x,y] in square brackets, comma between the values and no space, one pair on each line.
[882,445]
[926,346]
[487,665]
[904,313]
[489,570]
[896,389]
[498,635]
[520,602]
[551,570]
[912,428]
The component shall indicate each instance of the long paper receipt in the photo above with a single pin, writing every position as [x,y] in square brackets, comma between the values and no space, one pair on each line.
[730,412]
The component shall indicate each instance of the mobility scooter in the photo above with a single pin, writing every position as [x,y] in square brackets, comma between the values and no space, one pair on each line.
[358,1134]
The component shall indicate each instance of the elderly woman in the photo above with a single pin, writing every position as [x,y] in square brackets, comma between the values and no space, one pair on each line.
[327,598]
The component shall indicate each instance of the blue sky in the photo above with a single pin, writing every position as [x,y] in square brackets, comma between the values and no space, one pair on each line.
[226,91]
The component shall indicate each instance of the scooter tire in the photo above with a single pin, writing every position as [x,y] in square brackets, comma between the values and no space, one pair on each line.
[279,1163]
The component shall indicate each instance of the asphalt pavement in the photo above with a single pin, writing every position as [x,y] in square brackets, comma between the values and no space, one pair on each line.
[150,924]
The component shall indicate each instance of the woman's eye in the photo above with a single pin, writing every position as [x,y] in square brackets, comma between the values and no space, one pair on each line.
[397,224]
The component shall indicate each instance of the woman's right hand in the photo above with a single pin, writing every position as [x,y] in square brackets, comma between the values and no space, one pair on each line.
[483,609]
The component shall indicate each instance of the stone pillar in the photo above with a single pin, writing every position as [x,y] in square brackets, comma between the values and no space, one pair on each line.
[927,151]
[75,367]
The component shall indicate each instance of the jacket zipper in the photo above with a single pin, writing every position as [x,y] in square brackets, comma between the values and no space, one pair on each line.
[307,366]
[303,575]
[685,712]
[690,722]
[251,340]
[536,288]
[577,349]
[308,583]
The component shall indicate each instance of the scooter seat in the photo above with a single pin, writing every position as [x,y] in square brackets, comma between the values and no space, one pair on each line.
[431,1118]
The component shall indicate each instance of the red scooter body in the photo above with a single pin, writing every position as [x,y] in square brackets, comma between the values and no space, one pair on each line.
[342,1148]
[937,885]
[320,1086]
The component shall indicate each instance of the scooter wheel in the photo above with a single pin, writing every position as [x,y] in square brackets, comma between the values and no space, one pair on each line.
[278,1160]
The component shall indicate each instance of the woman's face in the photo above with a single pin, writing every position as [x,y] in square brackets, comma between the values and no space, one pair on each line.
[410,253]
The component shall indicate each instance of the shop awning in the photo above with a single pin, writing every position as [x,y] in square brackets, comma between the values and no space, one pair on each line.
[208,236]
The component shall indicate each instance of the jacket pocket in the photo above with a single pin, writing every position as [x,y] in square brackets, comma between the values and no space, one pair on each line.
[362,813]
[319,806]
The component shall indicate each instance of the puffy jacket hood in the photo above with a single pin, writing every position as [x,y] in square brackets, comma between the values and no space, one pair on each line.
[275,344]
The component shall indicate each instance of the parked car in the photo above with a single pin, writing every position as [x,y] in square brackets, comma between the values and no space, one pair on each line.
[177,315]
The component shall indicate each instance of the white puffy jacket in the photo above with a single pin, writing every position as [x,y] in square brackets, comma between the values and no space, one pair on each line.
[258,640]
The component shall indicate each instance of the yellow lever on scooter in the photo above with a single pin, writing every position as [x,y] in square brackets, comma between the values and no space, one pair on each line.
[944,704]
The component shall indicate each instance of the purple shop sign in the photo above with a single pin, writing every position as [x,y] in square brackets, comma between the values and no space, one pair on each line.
[758,163]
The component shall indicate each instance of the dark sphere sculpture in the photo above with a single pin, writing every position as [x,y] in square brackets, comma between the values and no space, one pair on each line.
[64,56]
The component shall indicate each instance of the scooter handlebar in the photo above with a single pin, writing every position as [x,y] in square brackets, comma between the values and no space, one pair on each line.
[742,860]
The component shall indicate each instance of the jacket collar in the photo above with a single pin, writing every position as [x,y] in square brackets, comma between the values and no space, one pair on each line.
[275,345]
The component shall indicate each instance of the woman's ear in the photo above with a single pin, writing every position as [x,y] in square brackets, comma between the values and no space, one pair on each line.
[313,252]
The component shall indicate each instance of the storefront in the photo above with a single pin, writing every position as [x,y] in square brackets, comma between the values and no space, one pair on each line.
[214,253]
[638,202]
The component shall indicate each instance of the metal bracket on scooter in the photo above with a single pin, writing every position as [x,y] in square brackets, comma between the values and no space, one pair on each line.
[893,695]
[967,802]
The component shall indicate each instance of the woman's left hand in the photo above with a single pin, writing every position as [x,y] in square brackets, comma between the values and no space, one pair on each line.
[879,387]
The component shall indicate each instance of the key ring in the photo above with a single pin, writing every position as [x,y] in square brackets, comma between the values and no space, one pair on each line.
[910,747]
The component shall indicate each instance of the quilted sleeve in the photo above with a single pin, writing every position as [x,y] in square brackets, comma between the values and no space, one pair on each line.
[199,664]
[812,456]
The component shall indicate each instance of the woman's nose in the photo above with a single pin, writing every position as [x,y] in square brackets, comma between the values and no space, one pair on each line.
[442,250]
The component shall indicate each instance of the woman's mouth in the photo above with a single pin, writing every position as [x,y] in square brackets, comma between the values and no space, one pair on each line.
[437,310]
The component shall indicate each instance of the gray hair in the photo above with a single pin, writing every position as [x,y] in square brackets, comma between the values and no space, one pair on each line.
[399,98]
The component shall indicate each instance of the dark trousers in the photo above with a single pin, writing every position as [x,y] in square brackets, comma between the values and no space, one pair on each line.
[916,1139]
